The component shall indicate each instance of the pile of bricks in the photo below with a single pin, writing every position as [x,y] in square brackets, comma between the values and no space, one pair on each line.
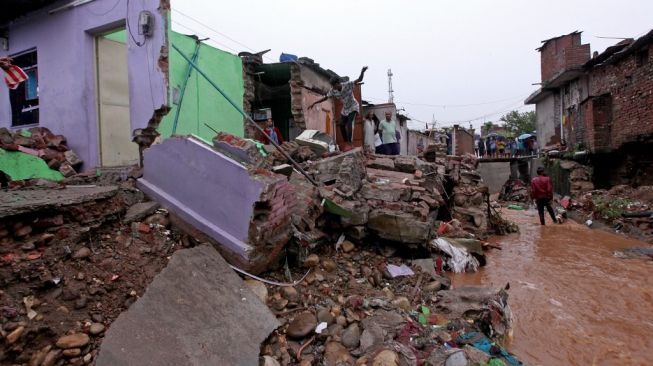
[41,142]
[469,194]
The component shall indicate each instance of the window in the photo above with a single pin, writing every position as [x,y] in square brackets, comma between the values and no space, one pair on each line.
[25,98]
[641,57]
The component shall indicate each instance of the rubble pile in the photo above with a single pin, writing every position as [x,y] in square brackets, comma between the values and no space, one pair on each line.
[358,307]
[626,209]
[514,190]
[580,177]
[42,143]
[71,261]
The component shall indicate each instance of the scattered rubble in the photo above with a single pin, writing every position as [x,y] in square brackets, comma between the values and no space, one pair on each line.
[42,143]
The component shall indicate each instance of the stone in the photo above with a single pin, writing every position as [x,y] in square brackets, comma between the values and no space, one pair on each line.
[341,320]
[426,265]
[96,328]
[302,325]
[15,335]
[335,354]
[259,289]
[433,286]
[82,253]
[456,359]
[324,315]
[23,231]
[75,340]
[347,246]
[39,356]
[372,335]
[279,304]
[329,265]
[475,355]
[158,219]
[313,260]
[269,361]
[351,336]
[386,358]
[402,303]
[382,164]
[72,352]
[51,357]
[81,303]
[290,293]
[399,226]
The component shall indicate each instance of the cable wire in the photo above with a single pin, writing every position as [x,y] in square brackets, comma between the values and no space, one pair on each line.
[129,29]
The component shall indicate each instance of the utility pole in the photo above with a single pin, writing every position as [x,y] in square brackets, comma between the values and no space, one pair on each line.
[391,97]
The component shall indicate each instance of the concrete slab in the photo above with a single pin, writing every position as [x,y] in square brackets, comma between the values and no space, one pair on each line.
[197,311]
[15,202]
[139,211]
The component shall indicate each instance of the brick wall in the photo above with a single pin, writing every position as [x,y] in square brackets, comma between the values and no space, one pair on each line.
[464,141]
[622,101]
[563,53]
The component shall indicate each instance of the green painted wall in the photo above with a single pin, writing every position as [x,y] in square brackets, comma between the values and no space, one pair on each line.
[21,166]
[201,102]
[118,36]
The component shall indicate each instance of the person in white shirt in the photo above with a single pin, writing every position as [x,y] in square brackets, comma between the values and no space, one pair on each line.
[370,130]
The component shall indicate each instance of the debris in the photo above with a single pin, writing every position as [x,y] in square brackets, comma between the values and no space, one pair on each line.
[396,271]
[459,259]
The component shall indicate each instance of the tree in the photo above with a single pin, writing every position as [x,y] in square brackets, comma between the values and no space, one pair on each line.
[520,122]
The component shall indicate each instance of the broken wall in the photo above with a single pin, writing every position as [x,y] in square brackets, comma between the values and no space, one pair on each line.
[201,103]
[65,46]
[305,84]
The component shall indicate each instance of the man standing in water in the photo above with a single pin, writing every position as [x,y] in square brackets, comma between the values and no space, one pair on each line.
[350,107]
[542,193]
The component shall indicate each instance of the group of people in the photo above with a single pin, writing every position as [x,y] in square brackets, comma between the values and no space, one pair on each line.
[381,137]
[501,147]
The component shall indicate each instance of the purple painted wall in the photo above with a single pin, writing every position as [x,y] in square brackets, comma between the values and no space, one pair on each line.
[208,190]
[66,60]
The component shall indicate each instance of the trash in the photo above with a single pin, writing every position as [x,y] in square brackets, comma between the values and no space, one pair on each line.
[460,260]
[515,207]
[589,223]
[29,302]
[397,271]
[321,327]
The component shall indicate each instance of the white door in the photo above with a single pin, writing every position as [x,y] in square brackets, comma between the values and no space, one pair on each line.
[116,146]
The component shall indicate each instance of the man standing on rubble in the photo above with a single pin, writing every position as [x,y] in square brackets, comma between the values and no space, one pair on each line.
[542,193]
[350,107]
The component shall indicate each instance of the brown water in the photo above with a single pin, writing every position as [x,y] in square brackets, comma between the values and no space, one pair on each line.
[573,302]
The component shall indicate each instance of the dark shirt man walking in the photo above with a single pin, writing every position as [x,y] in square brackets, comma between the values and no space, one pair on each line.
[542,193]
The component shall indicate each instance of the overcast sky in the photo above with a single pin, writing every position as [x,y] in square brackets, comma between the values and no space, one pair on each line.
[455,60]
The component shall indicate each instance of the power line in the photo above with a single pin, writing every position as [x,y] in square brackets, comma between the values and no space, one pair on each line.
[445,106]
[202,35]
[220,34]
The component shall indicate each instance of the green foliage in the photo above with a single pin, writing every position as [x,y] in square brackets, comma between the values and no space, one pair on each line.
[610,208]
[520,122]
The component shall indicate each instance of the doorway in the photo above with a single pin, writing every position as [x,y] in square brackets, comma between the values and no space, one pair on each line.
[115,132]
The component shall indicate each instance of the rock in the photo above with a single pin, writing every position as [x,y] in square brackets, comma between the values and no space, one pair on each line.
[351,336]
[402,302]
[158,219]
[312,261]
[97,318]
[456,359]
[269,361]
[324,315]
[372,335]
[72,352]
[290,293]
[259,289]
[302,325]
[81,303]
[23,231]
[386,358]
[329,265]
[39,356]
[279,304]
[433,286]
[87,358]
[75,340]
[341,320]
[335,354]
[96,328]
[347,246]
[475,355]
[28,246]
[51,358]
[82,253]
[15,335]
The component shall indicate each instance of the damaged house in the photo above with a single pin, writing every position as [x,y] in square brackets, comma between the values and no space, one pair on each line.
[601,104]
[106,74]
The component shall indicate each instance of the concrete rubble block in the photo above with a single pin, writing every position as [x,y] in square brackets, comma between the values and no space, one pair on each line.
[239,149]
[381,163]
[197,311]
[327,170]
[247,211]
[399,226]
[360,213]
[73,159]
[140,211]
[385,192]
[473,219]
[350,176]
[406,163]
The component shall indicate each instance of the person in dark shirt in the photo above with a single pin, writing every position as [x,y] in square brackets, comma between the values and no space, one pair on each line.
[542,193]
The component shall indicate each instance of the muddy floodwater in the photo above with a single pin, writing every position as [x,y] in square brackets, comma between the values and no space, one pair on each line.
[574,302]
